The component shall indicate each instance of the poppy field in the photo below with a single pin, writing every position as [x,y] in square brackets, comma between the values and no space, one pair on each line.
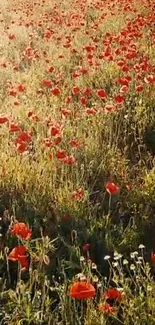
[77,162]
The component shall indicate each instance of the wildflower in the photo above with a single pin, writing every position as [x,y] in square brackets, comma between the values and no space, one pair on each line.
[82,290]
[14,127]
[20,229]
[69,160]
[47,83]
[106,308]
[75,90]
[119,99]
[132,267]
[54,130]
[23,137]
[90,111]
[22,147]
[107,257]
[61,154]
[55,91]
[94,266]
[101,93]
[83,100]
[125,262]
[78,195]
[19,254]
[86,247]
[21,88]
[153,257]
[117,257]
[113,294]
[112,188]
[87,92]
[110,108]
[3,119]
[141,246]
[139,88]
[74,143]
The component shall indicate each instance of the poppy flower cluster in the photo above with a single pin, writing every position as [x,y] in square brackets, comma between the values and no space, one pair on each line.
[19,253]
[113,297]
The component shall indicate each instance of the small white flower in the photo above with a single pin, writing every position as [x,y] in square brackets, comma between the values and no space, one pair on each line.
[120,289]
[99,285]
[95,279]
[82,258]
[133,254]
[115,264]
[141,246]
[125,262]
[117,257]
[138,262]
[132,267]
[82,278]
[79,275]
[94,266]
[107,257]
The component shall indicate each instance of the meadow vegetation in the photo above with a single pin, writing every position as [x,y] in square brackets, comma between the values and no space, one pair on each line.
[77,162]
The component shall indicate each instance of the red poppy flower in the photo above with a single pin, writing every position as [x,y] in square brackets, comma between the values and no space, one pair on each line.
[54,130]
[13,92]
[78,195]
[11,36]
[19,254]
[74,143]
[83,100]
[69,160]
[14,127]
[55,91]
[119,99]
[87,92]
[149,79]
[110,108]
[106,308]
[47,83]
[75,90]
[23,137]
[22,147]
[112,188]
[113,293]
[139,88]
[61,154]
[124,89]
[90,111]
[3,119]
[153,257]
[48,143]
[21,88]
[86,247]
[82,290]
[51,69]
[20,229]
[101,93]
